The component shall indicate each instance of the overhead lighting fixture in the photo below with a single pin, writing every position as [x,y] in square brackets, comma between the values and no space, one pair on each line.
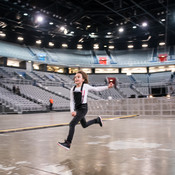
[51,23]
[38,42]
[109,33]
[20,38]
[105,45]
[2,34]
[65,31]
[130,46]
[134,27]
[88,26]
[62,28]
[121,29]
[96,46]
[51,44]
[64,45]
[111,47]
[161,43]
[92,35]
[144,24]
[25,14]
[79,46]
[163,20]
[144,45]
[39,19]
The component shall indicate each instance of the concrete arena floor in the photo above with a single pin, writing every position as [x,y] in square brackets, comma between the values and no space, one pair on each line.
[132,146]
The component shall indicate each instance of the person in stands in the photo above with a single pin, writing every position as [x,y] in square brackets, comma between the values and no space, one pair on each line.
[51,104]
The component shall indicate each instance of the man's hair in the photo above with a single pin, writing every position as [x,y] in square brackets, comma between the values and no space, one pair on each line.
[84,75]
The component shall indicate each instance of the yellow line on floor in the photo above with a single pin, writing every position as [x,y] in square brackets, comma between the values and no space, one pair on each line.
[55,125]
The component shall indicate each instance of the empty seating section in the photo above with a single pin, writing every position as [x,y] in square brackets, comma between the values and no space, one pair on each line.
[19,103]
[143,90]
[70,57]
[128,91]
[15,51]
[110,93]
[123,78]
[163,77]
[59,90]
[43,96]
[57,86]
[97,79]
[141,78]
[132,57]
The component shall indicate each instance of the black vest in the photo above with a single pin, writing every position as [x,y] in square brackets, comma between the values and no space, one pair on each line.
[78,97]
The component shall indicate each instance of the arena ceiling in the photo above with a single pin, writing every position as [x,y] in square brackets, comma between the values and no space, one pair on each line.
[88,22]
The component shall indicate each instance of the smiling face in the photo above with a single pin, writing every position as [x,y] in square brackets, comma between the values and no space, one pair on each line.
[78,79]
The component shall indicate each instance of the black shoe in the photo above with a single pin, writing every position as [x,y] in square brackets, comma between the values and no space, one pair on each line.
[99,120]
[65,145]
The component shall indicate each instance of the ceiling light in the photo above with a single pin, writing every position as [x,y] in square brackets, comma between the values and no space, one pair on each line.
[65,31]
[144,24]
[96,46]
[79,46]
[163,20]
[38,42]
[111,47]
[25,14]
[2,34]
[39,19]
[88,26]
[51,44]
[144,45]
[62,28]
[51,23]
[64,45]
[130,46]
[109,33]
[105,45]
[20,38]
[161,43]
[121,30]
[134,27]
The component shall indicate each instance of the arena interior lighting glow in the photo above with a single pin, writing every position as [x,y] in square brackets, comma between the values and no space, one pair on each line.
[2,34]
[20,38]
[161,43]
[111,47]
[121,29]
[130,46]
[39,19]
[144,24]
[64,45]
[79,46]
[96,46]
[25,14]
[144,45]
[51,44]
[62,28]
[38,42]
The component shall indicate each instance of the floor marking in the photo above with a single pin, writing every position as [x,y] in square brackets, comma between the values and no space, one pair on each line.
[57,125]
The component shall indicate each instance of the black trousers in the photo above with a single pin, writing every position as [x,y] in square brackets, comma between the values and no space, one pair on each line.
[80,117]
[50,106]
